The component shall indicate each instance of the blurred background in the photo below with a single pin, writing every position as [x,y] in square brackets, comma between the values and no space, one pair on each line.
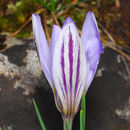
[22,79]
[112,15]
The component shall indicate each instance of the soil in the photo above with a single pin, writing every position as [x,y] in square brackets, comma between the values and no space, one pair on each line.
[116,21]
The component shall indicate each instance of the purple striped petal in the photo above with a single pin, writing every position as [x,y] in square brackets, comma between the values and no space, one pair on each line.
[92,45]
[69,68]
[42,47]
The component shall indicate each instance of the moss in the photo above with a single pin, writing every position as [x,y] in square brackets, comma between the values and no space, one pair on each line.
[79,17]
[3,23]
[24,34]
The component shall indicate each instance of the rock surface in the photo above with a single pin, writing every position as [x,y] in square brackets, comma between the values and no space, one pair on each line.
[21,79]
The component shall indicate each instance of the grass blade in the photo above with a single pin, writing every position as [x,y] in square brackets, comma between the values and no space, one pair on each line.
[45,5]
[38,115]
[71,5]
[53,5]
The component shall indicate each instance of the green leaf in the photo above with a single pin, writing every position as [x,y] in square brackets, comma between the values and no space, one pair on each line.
[0,128]
[38,115]
[81,120]
[53,5]
[45,5]
[71,5]
[83,108]
[67,125]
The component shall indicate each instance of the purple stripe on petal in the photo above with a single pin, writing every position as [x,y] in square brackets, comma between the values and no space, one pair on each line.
[78,69]
[70,59]
[71,65]
[77,74]
[63,73]
[63,67]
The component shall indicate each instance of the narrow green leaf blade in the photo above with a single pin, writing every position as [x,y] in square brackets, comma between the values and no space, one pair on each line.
[53,5]
[45,5]
[81,120]
[71,5]
[38,115]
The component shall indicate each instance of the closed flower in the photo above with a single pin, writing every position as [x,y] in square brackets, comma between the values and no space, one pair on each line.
[70,62]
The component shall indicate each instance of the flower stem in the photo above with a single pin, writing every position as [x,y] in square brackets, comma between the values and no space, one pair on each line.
[83,108]
[67,123]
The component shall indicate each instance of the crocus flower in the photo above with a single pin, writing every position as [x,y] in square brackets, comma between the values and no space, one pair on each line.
[70,62]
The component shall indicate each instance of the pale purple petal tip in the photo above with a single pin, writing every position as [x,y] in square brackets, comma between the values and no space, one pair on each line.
[42,46]
[92,45]
[68,21]
[92,25]
[90,29]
